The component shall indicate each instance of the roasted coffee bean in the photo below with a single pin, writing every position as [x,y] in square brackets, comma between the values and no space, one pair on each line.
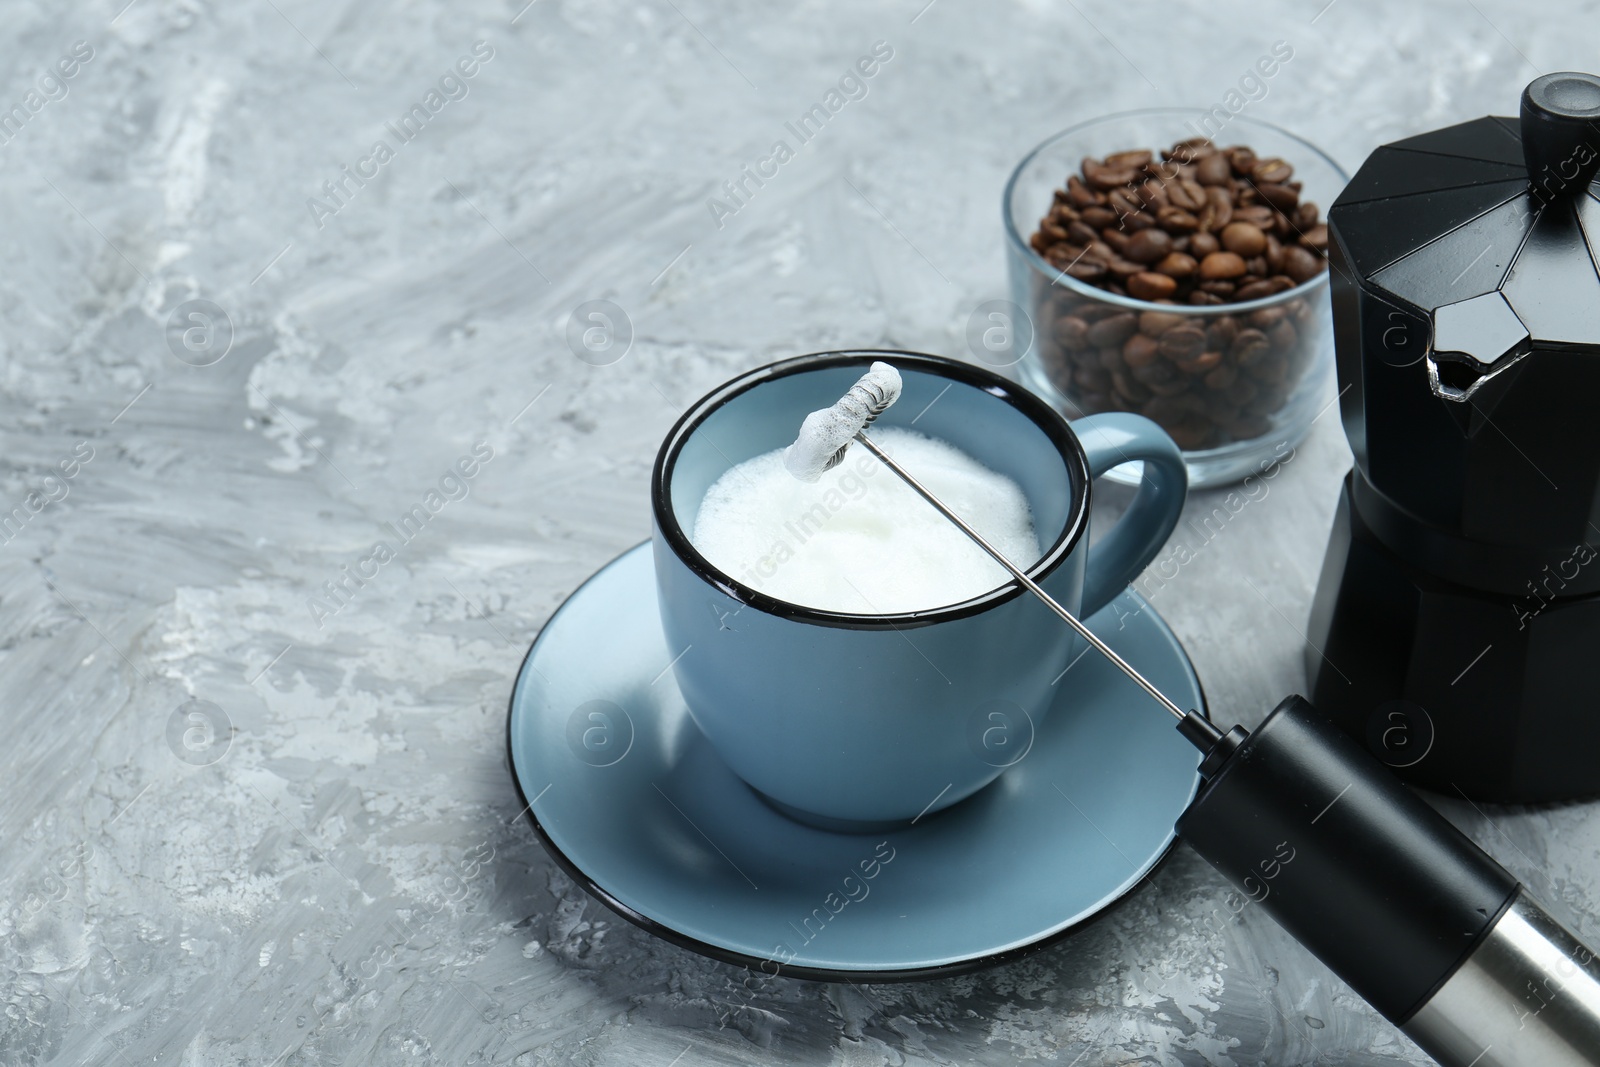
[1156,323]
[1176,220]
[1243,238]
[1249,347]
[1165,171]
[1099,216]
[1221,332]
[1214,170]
[1187,194]
[1255,290]
[1147,285]
[1106,178]
[1219,379]
[1182,342]
[1157,373]
[1071,331]
[1202,363]
[1153,194]
[1267,317]
[1123,202]
[1082,233]
[1178,265]
[1140,350]
[1258,215]
[1113,330]
[1305,215]
[1202,245]
[1271,171]
[1316,238]
[1094,311]
[1274,253]
[1080,195]
[1183,150]
[1148,246]
[1221,266]
[1279,196]
[1218,211]
[1299,263]
[1243,160]
[1137,159]
[1123,269]
[1218,287]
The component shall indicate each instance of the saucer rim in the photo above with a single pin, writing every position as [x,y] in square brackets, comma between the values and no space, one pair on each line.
[735,958]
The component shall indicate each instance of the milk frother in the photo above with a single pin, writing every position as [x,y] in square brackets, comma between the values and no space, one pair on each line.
[1314,830]
[1399,903]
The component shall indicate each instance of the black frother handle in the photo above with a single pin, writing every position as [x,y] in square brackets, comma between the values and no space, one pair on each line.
[1326,840]
[1560,126]
[1394,899]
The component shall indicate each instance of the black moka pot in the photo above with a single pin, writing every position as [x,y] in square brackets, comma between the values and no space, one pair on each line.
[1456,627]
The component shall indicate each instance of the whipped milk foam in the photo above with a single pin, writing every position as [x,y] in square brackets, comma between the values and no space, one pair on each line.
[858,539]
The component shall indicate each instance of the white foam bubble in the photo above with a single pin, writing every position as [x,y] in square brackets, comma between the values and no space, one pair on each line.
[858,539]
[825,432]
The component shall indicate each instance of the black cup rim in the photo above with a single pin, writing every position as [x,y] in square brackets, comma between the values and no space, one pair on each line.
[1047,418]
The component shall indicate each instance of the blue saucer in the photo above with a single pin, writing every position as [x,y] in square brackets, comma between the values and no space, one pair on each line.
[631,800]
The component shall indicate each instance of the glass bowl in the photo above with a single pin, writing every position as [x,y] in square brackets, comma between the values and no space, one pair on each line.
[1267,387]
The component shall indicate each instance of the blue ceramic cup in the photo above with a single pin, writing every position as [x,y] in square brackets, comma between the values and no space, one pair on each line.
[852,721]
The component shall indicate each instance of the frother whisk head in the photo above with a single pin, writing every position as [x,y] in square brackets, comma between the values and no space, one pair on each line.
[825,435]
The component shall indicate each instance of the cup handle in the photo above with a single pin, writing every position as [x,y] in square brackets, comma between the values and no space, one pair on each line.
[1117,558]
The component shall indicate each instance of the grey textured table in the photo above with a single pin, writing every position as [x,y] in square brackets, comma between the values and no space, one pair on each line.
[247,821]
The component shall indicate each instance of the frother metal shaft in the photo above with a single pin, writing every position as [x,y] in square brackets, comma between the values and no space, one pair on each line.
[1021,576]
